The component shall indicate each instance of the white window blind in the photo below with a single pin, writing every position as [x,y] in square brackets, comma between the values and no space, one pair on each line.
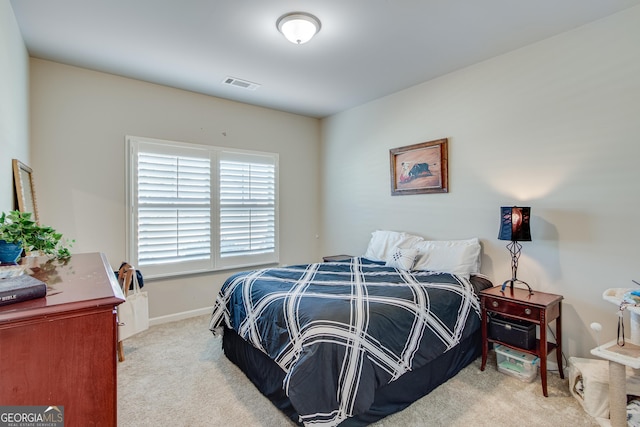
[247,208]
[197,208]
[174,209]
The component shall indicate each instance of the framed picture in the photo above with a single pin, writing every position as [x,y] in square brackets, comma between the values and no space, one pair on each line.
[419,168]
[25,191]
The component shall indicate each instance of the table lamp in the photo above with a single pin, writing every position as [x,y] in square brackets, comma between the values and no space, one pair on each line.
[514,226]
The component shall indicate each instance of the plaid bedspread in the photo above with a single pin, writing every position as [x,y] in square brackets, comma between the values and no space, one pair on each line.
[341,329]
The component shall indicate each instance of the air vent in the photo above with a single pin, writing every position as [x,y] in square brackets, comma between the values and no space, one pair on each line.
[242,84]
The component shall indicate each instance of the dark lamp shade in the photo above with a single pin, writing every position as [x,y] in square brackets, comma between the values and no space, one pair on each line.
[514,224]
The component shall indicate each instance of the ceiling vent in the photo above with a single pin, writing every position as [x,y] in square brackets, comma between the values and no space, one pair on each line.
[242,84]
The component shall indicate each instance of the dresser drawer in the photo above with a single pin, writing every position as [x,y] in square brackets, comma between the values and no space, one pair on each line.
[497,305]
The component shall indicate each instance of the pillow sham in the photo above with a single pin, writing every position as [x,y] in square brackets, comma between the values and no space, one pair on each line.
[384,242]
[453,256]
[402,258]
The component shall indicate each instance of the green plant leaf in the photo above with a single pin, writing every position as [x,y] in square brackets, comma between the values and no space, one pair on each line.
[18,227]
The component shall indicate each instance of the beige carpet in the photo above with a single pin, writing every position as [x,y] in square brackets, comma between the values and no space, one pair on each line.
[176,375]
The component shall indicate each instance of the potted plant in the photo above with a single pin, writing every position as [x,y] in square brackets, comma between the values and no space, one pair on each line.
[20,233]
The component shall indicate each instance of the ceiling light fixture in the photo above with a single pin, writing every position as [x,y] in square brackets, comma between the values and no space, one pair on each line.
[298,27]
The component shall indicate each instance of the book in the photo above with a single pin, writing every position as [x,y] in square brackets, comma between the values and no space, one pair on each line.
[21,288]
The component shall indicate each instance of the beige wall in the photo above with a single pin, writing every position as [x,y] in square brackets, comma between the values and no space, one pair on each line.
[14,102]
[554,126]
[79,122]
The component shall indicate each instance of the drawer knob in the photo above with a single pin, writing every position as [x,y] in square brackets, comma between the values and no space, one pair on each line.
[527,311]
[494,303]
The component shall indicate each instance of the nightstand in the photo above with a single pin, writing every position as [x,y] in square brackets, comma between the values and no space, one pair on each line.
[539,308]
[336,258]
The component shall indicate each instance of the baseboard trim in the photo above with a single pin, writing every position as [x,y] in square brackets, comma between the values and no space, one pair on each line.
[179,316]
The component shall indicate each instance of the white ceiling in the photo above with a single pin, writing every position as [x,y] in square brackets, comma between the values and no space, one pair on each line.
[366,49]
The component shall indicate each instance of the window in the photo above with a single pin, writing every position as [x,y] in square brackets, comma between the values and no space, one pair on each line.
[197,208]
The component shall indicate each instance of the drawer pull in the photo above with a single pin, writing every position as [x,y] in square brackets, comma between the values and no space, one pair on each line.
[494,303]
[527,311]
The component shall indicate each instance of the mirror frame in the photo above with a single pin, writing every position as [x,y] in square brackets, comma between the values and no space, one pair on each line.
[25,190]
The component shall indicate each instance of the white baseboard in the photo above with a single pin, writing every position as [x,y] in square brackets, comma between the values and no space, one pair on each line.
[179,316]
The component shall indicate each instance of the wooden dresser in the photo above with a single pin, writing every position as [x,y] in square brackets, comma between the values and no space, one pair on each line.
[60,350]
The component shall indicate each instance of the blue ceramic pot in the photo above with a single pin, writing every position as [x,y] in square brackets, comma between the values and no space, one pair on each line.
[9,252]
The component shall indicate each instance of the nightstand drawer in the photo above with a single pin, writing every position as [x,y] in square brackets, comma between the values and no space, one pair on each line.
[497,305]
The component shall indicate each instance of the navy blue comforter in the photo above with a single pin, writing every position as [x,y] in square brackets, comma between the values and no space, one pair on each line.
[342,329]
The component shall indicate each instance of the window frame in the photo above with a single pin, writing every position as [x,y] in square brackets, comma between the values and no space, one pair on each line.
[133,145]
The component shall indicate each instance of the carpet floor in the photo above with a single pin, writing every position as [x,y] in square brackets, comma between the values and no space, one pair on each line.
[176,374]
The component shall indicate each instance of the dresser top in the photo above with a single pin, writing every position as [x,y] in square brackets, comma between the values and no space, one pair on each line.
[79,283]
[520,295]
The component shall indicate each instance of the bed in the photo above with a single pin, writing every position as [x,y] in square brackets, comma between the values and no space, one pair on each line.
[348,343]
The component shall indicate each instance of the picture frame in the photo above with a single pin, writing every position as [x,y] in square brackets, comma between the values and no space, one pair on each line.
[420,168]
[25,190]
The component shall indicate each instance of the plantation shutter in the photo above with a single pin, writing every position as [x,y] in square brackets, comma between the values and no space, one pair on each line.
[174,205]
[197,208]
[173,209]
[247,192]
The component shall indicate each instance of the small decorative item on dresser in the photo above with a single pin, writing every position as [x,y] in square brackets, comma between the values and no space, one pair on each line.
[11,270]
[10,252]
[25,188]
[18,228]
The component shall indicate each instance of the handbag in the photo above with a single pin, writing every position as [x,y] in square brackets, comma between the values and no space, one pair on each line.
[138,276]
[133,313]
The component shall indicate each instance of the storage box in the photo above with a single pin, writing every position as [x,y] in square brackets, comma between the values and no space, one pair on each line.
[519,333]
[520,365]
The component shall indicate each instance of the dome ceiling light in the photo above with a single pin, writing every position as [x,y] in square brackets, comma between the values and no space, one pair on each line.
[298,27]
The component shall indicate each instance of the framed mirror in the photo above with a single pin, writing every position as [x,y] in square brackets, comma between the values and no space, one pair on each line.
[25,191]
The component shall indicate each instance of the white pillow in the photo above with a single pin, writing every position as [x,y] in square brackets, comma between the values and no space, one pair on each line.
[383,243]
[402,258]
[453,256]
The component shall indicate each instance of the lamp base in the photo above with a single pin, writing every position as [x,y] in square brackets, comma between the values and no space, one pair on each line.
[512,281]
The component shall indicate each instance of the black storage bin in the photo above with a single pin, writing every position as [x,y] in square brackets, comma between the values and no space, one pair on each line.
[519,333]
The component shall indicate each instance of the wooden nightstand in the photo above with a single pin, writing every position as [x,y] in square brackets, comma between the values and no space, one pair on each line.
[539,308]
